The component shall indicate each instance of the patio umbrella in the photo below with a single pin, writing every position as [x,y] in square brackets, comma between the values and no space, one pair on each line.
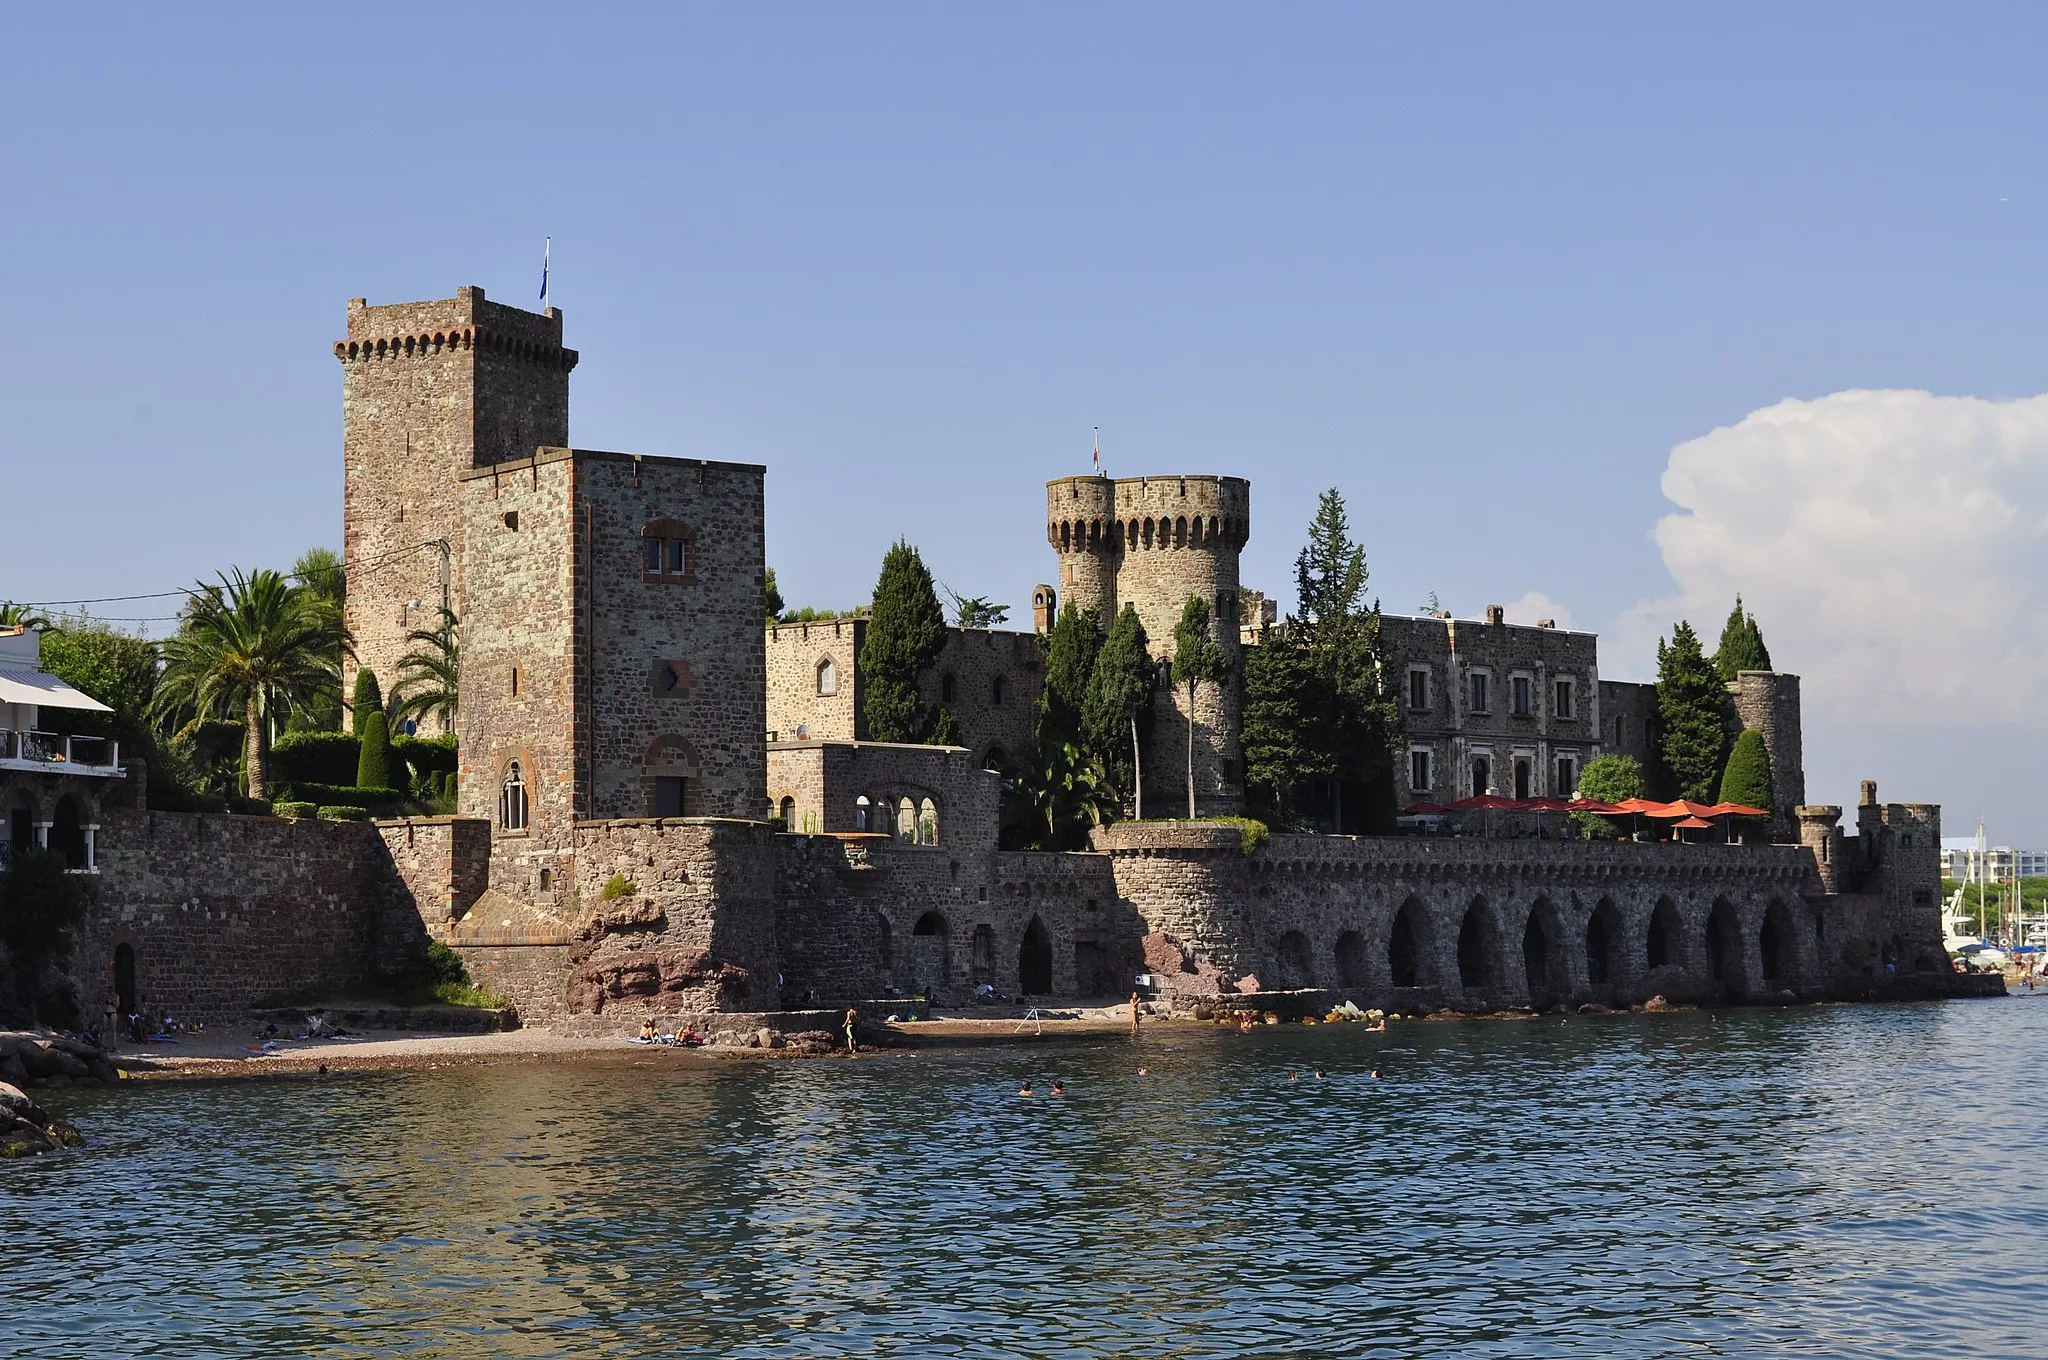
[1424,810]
[1734,810]
[1593,805]
[1693,824]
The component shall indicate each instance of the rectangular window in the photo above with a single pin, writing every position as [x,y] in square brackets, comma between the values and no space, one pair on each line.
[1567,777]
[1479,679]
[676,560]
[1418,771]
[1519,689]
[1482,776]
[668,795]
[654,554]
[1561,699]
[1418,691]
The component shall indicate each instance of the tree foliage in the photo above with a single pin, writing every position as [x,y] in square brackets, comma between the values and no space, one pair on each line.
[1693,715]
[1742,645]
[771,597]
[1197,661]
[1747,777]
[368,698]
[904,636]
[251,646]
[373,761]
[1611,779]
[1070,652]
[429,674]
[1283,699]
[1060,792]
[42,905]
[1116,712]
[977,611]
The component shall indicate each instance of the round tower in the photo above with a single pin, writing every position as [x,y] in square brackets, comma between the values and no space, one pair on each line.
[1080,523]
[1181,536]
[1768,702]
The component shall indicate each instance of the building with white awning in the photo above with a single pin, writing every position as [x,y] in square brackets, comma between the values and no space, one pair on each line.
[40,767]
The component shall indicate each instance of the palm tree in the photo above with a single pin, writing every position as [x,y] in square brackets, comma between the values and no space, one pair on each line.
[253,646]
[14,615]
[428,674]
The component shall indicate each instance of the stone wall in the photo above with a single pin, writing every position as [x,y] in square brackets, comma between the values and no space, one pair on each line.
[1435,661]
[818,787]
[795,653]
[429,391]
[1628,721]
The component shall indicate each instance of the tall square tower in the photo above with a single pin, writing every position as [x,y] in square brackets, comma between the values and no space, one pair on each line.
[431,390]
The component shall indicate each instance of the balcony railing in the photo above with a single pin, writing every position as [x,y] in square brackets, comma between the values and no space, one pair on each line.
[101,754]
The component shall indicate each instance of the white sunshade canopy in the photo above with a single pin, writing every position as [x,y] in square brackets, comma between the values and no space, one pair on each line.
[19,685]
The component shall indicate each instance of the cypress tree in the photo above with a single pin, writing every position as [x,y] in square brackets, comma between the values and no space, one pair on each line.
[1693,714]
[373,765]
[1747,779]
[1116,712]
[905,632]
[1353,727]
[1742,645]
[1070,652]
[369,697]
[1281,748]
[1197,661]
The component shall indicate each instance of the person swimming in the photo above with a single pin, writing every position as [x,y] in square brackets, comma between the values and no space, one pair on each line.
[1058,1089]
[1025,1089]
[1144,1071]
[1375,1074]
[1294,1076]
[1319,1074]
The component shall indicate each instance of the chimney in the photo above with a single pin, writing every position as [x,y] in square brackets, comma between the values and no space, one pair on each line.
[1044,608]
[1496,613]
[1546,623]
[1869,798]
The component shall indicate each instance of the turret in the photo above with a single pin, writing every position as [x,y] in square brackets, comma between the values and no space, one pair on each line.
[1767,702]
[1820,831]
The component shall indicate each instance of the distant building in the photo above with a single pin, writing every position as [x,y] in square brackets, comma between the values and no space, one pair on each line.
[1961,861]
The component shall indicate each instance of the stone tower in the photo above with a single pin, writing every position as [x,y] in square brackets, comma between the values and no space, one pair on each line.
[431,390]
[1768,702]
[1151,542]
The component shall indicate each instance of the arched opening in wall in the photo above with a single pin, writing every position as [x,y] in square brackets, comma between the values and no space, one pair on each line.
[1195,533]
[124,980]
[1404,946]
[1180,532]
[1350,953]
[906,821]
[927,823]
[67,833]
[996,758]
[1148,532]
[930,961]
[1540,958]
[1774,946]
[786,810]
[1294,963]
[512,798]
[981,953]
[1475,948]
[863,814]
[1665,946]
[1034,960]
[1522,789]
[949,688]
[1603,943]
[1066,535]
[828,677]
[1724,944]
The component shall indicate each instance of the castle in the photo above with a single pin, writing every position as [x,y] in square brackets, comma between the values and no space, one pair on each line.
[628,726]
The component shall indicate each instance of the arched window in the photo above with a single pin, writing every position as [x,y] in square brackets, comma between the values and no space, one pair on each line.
[906,821]
[927,823]
[828,677]
[947,688]
[995,692]
[512,799]
[788,814]
[996,758]
[863,814]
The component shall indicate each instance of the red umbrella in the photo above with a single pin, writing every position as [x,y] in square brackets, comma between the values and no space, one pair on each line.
[1423,809]
[1734,810]
[1695,824]
[1547,805]
[1595,805]
[1681,808]
[1486,802]
[1636,805]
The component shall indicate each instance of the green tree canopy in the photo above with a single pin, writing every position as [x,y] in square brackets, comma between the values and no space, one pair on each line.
[250,646]
[1693,714]
[1611,779]
[771,597]
[1116,714]
[1197,661]
[905,633]
[369,698]
[1070,651]
[1283,702]
[1352,725]
[429,674]
[1747,778]
[1059,792]
[977,611]
[374,763]
[1742,645]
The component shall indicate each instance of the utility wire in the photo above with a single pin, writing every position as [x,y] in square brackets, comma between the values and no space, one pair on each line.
[189,593]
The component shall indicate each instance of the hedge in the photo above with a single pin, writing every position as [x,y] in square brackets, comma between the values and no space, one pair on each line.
[425,755]
[344,814]
[295,810]
[338,795]
[373,770]
[315,758]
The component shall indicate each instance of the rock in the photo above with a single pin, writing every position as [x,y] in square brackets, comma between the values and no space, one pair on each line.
[63,1133]
[1658,1003]
[12,1072]
[16,1104]
[765,1038]
[44,1059]
[1594,1008]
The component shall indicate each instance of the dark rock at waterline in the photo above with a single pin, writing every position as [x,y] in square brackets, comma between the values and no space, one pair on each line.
[27,1058]
[26,1128]
[16,1104]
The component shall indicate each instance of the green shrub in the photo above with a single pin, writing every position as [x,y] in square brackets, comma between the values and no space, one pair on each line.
[344,814]
[248,807]
[373,766]
[315,757]
[425,755]
[617,886]
[348,795]
[297,811]
[369,697]
[1252,834]
[1747,776]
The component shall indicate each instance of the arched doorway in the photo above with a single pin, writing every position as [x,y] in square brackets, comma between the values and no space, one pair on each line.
[124,979]
[1603,944]
[1665,945]
[1034,960]
[1350,953]
[1775,944]
[1475,949]
[1404,946]
[929,952]
[1724,945]
[982,953]
[1294,964]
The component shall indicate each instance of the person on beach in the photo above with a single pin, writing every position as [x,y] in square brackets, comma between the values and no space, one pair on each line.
[647,1034]
[851,1015]
[1134,1015]
[110,1020]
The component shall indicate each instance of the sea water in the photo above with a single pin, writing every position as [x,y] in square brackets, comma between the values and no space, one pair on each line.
[1809,1181]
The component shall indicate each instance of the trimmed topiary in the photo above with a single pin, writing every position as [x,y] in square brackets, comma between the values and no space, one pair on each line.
[369,697]
[344,814]
[1747,778]
[296,811]
[373,766]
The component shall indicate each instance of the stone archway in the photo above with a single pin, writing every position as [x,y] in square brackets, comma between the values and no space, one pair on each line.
[1350,952]
[1478,953]
[1665,945]
[930,952]
[1544,967]
[1034,960]
[1724,948]
[1293,964]
[1778,947]
[1407,941]
[1605,949]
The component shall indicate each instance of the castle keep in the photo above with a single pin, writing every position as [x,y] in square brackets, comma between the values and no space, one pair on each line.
[628,726]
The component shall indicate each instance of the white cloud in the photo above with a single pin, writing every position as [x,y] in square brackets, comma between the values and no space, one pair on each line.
[1894,546]
[1536,606]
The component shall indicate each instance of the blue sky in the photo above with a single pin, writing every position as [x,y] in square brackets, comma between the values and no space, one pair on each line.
[1482,269]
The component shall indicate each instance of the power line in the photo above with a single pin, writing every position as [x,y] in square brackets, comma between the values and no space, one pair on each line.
[190,593]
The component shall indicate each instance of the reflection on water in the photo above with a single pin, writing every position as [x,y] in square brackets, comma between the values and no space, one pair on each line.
[1820,1181]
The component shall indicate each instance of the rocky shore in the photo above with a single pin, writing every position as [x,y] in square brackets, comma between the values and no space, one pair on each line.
[30,1058]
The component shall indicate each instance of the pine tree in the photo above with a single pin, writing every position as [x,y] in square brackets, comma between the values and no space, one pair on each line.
[369,698]
[1197,661]
[1070,651]
[1116,713]
[373,764]
[1692,713]
[771,597]
[904,635]
[1742,645]
[1280,710]
[1747,778]
[1353,725]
